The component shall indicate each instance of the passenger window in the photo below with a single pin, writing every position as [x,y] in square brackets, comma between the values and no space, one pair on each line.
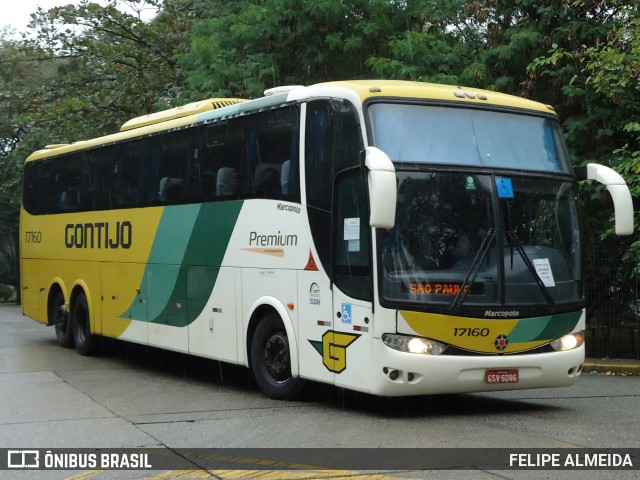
[222,159]
[270,170]
[172,187]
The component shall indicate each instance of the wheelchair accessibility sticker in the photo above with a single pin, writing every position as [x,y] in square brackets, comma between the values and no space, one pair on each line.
[346,313]
[505,187]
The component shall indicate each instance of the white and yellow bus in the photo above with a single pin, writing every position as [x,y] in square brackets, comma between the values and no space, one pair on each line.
[394,238]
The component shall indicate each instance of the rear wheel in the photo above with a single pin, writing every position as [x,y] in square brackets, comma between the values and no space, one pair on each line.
[84,341]
[271,360]
[59,317]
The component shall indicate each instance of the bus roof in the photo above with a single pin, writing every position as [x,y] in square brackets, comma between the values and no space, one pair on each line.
[179,112]
[210,109]
[368,89]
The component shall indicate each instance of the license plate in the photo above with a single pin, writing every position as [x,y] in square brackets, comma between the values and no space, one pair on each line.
[502,376]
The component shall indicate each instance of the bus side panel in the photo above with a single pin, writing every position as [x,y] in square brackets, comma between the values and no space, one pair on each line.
[352,342]
[32,241]
[315,322]
[120,289]
[279,286]
[30,290]
[167,306]
[213,334]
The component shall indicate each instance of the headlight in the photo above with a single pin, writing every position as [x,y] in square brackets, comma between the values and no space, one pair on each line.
[404,343]
[568,342]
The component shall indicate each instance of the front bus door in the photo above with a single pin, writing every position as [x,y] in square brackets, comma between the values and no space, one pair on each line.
[350,343]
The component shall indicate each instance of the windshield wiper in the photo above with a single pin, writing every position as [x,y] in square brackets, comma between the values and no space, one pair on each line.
[514,242]
[474,269]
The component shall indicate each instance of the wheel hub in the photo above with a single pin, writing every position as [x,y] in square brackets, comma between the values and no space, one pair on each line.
[276,357]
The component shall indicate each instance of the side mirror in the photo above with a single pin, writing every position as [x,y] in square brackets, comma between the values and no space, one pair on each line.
[617,187]
[382,188]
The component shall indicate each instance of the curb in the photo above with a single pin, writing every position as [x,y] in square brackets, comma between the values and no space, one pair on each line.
[611,367]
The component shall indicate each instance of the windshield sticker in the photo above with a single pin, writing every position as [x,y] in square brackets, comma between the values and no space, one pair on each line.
[543,269]
[470,184]
[352,228]
[505,187]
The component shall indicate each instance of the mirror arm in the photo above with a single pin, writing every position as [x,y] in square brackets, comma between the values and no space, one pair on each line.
[617,188]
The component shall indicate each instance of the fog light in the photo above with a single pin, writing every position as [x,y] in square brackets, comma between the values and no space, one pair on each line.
[568,342]
[404,343]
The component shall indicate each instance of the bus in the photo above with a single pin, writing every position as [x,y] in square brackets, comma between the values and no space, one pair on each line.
[395,238]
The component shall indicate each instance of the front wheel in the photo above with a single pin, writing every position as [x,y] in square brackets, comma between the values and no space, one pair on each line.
[84,340]
[271,360]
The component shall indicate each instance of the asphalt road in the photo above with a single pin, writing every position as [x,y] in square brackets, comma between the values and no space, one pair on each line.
[138,398]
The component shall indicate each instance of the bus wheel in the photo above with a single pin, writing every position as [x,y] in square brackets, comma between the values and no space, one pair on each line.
[85,342]
[271,360]
[59,317]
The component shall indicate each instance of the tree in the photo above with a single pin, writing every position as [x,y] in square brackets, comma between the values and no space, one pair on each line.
[596,84]
[110,65]
[611,80]
[249,45]
[439,42]
[15,73]
[87,69]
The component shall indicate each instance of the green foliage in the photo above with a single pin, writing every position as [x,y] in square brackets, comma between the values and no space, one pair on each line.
[598,79]
[250,45]
[82,72]
[7,293]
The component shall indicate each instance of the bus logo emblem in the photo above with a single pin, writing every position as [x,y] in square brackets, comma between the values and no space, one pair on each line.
[333,349]
[501,342]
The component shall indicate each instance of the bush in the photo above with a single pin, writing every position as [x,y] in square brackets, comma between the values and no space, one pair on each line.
[7,293]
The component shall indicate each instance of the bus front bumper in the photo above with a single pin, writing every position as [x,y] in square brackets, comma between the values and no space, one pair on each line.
[400,374]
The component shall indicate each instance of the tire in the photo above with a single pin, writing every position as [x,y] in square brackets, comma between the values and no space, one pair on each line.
[271,360]
[59,317]
[83,339]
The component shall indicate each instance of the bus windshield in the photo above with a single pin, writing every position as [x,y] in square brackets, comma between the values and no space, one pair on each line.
[481,138]
[457,241]
[460,237]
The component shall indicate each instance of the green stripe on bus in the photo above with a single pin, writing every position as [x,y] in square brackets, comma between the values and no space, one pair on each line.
[544,328]
[184,262]
[207,248]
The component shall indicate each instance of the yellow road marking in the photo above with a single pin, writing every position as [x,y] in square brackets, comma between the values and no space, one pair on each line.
[85,475]
[271,475]
[278,470]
